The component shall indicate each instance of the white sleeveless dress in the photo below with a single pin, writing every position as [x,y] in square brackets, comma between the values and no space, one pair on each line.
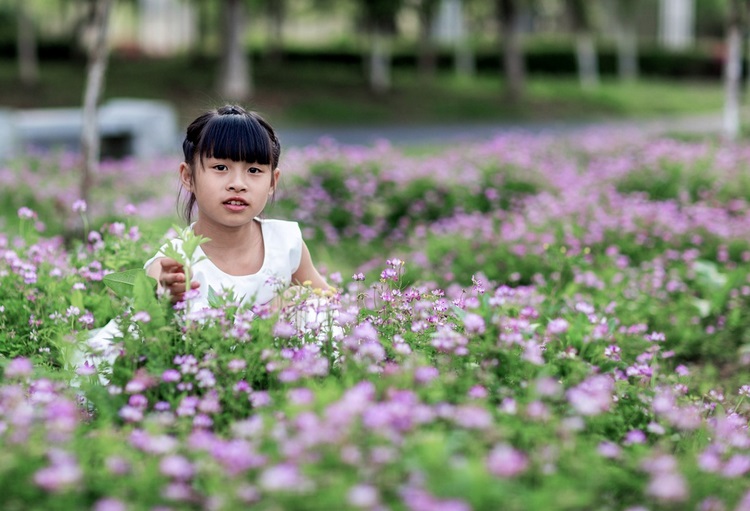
[282,242]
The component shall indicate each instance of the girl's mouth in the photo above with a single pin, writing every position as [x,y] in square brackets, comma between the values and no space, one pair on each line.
[235,205]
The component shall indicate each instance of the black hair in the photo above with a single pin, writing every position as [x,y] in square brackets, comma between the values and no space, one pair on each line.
[233,133]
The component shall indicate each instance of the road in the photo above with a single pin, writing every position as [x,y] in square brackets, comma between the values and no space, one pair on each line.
[455,133]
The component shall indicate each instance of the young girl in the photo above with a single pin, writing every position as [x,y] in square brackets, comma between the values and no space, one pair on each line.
[230,171]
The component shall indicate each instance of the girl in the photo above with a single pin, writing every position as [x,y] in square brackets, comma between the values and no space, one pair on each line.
[230,171]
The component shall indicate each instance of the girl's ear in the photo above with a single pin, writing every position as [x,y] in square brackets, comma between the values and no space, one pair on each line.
[275,181]
[186,176]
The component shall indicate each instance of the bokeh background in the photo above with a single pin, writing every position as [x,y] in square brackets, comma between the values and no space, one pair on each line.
[318,63]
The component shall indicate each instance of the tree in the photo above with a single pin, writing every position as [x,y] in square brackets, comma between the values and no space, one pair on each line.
[733,71]
[235,73]
[508,12]
[627,39]
[28,61]
[98,54]
[586,55]
[379,20]
[276,10]
[464,58]
[427,58]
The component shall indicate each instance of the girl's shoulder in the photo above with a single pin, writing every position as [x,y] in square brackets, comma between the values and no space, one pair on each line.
[284,228]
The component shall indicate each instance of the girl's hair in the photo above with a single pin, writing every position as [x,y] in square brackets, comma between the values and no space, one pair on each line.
[233,133]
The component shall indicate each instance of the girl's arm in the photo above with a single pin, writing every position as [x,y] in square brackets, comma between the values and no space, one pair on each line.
[308,273]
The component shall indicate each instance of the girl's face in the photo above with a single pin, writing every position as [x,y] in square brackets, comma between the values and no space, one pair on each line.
[229,193]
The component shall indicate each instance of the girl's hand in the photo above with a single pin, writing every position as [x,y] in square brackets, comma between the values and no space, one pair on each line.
[170,275]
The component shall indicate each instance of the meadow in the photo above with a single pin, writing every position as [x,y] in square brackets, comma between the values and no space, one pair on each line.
[530,322]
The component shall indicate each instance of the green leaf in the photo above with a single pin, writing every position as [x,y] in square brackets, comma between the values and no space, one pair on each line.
[123,283]
[214,300]
[144,296]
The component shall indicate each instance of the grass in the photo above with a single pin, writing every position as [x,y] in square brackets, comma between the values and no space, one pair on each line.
[330,95]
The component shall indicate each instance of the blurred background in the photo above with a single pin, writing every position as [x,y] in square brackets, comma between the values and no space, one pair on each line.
[324,65]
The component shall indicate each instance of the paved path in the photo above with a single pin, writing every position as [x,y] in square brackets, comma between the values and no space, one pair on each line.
[441,134]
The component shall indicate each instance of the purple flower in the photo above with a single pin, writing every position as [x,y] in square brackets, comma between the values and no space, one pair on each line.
[79,206]
[668,487]
[474,324]
[557,326]
[63,472]
[635,436]
[425,374]
[109,504]
[592,396]
[284,477]
[171,376]
[608,450]
[236,365]
[87,369]
[284,329]
[177,467]
[505,461]
[736,466]
[363,495]
[18,368]
[25,213]
[142,316]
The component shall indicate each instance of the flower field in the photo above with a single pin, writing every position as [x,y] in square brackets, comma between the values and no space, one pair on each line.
[532,322]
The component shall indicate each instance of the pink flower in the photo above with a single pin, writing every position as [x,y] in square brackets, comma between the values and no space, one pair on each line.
[364,496]
[592,396]
[177,467]
[142,316]
[284,329]
[19,367]
[505,461]
[63,472]
[284,477]
[474,324]
[668,487]
[108,504]
[79,206]
[25,213]
[557,326]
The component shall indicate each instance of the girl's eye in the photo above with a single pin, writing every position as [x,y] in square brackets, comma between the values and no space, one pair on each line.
[220,167]
[254,170]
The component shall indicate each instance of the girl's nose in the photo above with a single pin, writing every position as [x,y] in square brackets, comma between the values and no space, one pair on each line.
[236,185]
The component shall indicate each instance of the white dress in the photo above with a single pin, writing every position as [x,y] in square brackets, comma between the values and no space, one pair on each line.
[282,241]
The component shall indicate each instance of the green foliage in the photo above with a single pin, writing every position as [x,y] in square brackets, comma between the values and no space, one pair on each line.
[124,283]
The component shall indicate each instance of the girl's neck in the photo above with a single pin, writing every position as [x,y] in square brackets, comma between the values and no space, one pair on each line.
[234,250]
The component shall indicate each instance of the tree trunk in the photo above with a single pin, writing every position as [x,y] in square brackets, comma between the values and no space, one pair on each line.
[627,40]
[513,63]
[465,62]
[28,61]
[98,53]
[380,62]
[586,57]
[235,82]
[677,23]
[732,73]
[427,62]
[276,14]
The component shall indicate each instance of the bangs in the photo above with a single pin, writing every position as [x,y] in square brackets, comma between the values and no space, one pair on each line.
[237,138]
